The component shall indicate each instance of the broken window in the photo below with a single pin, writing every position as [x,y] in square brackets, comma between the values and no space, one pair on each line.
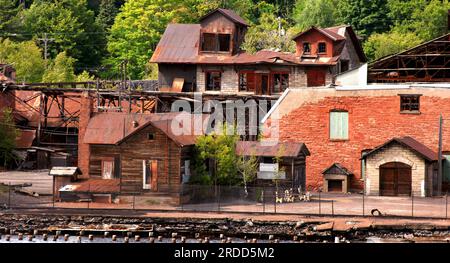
[409,103]
[213,80]
[322,47]
[280,82]
[247,81]
[344,65]
[150,136]
[224,42]
[243,82]
[209,42]
[306,48]
[338,125]
[216,42]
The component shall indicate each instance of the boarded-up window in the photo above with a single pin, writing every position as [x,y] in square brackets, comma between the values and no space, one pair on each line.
[338,125]
[108,168]
[209,42]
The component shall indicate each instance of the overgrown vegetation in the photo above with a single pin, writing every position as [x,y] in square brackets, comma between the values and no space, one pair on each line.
[99,34]
[8,134]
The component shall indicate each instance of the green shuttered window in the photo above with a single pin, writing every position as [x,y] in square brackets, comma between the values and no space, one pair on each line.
[338,125]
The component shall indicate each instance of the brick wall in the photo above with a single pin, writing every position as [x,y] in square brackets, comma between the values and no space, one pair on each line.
[395,153]
[374,118]
[84,151]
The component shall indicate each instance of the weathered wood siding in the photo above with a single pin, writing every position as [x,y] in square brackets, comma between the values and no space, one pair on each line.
[133,151]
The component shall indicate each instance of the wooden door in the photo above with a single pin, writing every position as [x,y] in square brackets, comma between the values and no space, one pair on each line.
[150,174]
[395,179]
[262,84]
[316,77]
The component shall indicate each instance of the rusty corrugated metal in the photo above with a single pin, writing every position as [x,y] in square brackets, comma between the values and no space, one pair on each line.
[104,186]
[25,139]
[228,13]
[271,149]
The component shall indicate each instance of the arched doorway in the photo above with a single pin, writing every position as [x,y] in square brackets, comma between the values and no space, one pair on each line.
[395,179]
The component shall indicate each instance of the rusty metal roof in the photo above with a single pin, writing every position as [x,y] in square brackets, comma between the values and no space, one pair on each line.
[229,14]
[271,149]
[25,139]
[328,32]
[116,127]
[98,186]
[180,44]
[337,168]
[411,143]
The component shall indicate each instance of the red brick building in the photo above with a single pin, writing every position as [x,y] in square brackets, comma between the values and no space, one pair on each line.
[366,118]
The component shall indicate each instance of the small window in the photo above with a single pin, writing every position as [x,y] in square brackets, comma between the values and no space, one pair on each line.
[339,125]
[224,42]
[306,48]
[243,82]
[213,80]
[409,103]
[344,65]
[322,47]
[280,82]
[108,168]
[150,136]
[209,42]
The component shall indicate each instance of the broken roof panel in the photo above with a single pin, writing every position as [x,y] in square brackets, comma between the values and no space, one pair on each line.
[271,149]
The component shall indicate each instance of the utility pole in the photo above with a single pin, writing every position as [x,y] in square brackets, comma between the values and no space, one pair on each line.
[439,181]
[46,40]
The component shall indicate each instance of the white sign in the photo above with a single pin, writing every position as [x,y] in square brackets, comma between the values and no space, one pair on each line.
[268,167]
[271,175]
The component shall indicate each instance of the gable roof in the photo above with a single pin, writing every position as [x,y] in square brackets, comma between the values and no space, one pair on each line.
[230,14]
[410,143]
[331,34]
[337,168]
[113,128]
[271,149]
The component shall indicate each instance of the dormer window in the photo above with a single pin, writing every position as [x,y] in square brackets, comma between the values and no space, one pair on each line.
[212,42]
[322,48]
[306,48]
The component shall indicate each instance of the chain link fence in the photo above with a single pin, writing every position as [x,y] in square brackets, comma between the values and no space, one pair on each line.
[234,199]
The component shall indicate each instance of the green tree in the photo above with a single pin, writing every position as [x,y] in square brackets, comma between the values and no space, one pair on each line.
[248,167]
[72,27]
[136,32]
[26,57]
[366,17]
[219,150]
[381,45]
[309,13]
[425,18]
[8,15]
[106,14]
[60,70]
[8,134]
[84,77]
[269,33]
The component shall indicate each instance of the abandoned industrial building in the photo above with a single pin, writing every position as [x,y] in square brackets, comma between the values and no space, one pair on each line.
[207,57]
[334,131]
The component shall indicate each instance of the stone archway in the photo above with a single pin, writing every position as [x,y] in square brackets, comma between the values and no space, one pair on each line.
[395,179]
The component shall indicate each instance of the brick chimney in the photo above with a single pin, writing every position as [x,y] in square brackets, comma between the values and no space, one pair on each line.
[84,150]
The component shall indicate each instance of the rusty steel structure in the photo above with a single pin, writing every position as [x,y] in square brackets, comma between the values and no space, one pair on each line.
[427,62]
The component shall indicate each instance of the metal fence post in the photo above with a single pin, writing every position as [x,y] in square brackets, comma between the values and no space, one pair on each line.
[446,204]
[275,202]
[412,204]
[134,201]
[218,199]
[332,207]
[320,208]
[9,195]
[181,196]
[263,201]
[89,199]
[363,204]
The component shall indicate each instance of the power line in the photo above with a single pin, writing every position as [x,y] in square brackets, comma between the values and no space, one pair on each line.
[46,40]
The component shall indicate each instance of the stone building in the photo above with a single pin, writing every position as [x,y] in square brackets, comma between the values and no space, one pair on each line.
[207,57]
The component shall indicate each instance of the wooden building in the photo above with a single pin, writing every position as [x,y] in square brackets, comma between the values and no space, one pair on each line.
[289,170]
[207,57]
